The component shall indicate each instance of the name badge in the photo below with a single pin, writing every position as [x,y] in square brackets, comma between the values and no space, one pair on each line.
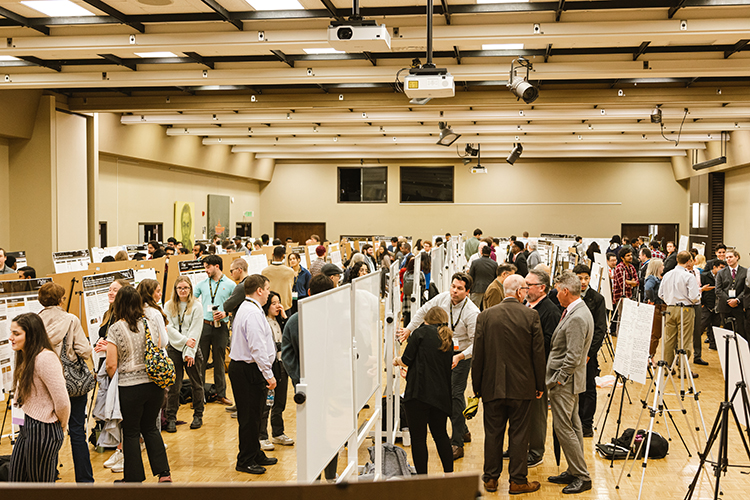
[732,294]
[455,344]
[294,295]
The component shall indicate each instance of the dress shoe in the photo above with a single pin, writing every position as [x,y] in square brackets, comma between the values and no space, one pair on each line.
[564,478]
[532,462]
[224,401]
[467,437]
[197,422]
[577,486]
[588,432]
[230,409]
[707,341]
[458,452]
[699,361]
[527,487]
[267,460]
[711,347]
[171,426]
[490,485]
[251,469]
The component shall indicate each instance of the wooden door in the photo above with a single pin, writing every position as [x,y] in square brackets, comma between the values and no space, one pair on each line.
[299,231]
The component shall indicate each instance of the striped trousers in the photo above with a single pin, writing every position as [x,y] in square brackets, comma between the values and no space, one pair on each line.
[34,458]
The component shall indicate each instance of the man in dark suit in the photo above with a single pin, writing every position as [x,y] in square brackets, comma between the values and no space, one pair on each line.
[518,259]
[483,271]
[566,379]
[595,303]
[731,293]
[537,283]
[709,317]
[508,374]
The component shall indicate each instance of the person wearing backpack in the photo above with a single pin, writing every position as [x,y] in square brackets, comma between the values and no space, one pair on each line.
[65,332]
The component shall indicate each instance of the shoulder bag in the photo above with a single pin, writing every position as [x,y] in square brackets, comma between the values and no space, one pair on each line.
[78,378]
[159,367]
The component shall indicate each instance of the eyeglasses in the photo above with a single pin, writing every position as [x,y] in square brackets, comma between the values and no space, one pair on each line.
[534,284]
[183,288]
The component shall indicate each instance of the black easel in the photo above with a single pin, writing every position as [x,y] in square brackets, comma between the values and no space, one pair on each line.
[720,427]
[611,395]
[73,282]
[5,416]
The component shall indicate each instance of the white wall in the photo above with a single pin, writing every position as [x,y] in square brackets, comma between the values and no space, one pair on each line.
[72,205]
[591,198]
[4,196]
[132,192]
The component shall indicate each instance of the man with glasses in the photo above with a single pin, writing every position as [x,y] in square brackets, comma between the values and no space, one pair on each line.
[537,283]
[238,272]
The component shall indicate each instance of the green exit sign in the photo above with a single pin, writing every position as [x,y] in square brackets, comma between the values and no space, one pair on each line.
[248,213]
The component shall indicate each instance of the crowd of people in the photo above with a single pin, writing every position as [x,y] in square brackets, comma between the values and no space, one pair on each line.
[528,346]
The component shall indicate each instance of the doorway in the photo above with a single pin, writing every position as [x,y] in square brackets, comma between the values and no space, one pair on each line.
[652,231]
[244,229]
[150,231]
[299,231]
[102,234]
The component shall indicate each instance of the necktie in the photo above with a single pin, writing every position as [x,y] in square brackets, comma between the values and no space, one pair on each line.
[563,314]
[734,273]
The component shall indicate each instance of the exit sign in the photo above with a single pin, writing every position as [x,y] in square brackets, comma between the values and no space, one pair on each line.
[248,213]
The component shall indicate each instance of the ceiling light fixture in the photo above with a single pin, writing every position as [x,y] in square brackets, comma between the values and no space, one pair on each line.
[447,135]
[323,50]
[656,114]
[275,4]
[515,154]
[502,46]
[147,55]
[57,8]
[520,86]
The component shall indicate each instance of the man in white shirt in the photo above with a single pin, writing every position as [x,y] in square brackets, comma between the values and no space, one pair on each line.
[680,291]
[462,314]
[250,371]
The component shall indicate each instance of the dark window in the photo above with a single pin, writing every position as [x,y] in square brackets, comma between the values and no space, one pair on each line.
[426,184]
[363,184]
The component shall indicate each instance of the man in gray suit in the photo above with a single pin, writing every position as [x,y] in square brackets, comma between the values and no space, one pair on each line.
[508,373]
[566,379]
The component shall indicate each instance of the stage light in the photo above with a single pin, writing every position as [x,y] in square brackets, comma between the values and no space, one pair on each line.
[447,135]
[656,115]
[520,86]
[515,154]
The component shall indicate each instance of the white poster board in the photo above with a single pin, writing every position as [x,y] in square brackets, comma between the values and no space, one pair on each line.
[336,258]
[596,276]
[255,264]
[311,255]
[16,297]
[367,337]
[733,372]
[606,286]
[76,260]
[195,271]
[683,245]
[633,339]
[98,254]
[327,419]
[96,302]
[701,248]
[20,258]
[142,274]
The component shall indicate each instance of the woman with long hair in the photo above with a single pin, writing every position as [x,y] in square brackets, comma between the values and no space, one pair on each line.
[591,250]
[428,356]
[65,332]
[383,256]
[140,398]
[302,279]
[654,272]
[276,318]
[41,393]
[185,315]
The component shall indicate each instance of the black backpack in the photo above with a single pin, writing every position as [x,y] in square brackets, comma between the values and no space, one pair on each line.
[659,446]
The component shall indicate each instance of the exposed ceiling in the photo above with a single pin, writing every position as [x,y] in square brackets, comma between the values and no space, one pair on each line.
[243,77]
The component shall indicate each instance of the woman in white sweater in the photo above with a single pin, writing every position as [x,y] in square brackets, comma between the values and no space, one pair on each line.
[185,315]
[40,392]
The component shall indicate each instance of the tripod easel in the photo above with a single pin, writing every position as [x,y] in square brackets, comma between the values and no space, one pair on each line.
[5,417]
[720,428]
[611,397]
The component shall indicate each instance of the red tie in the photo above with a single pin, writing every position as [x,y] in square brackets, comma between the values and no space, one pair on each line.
[563,314]
[734,273]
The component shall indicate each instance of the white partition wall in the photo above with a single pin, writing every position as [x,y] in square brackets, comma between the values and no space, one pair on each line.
[367,337]
[327,418]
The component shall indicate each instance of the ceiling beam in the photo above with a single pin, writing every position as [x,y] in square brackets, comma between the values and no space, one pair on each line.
[739,46]
[677,6]
[53,65]
[123,18]
[641,50]
[199,59]
[457,54]
[23,21]
[283,57]
[332,10]
[446,11]
[224,13]
[548,52]
[120,61]
[370,57]
[559,10]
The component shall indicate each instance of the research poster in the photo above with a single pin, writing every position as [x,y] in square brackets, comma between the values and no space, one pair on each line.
[633,339]
[76,260]
[16,297]
[95,301]
[98,254]
[255,263]
[195,271]
[184,223]
[134,249]
[20,258]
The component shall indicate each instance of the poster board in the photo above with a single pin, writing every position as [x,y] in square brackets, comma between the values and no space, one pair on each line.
[98,254]
[267,251]
[16,297]
[683,244]
[326,420]
[255,263]
[606,286]
[134,249]
[701,248]
[75,260]
[732,372]
[336,259]
[20,258]
[301,251]
[366,332]
[193,270]
[173,271]
[227,259]
[633,339]
[10,277]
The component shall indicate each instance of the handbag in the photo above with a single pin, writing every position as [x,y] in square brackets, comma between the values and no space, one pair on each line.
[79,380]
[159,367]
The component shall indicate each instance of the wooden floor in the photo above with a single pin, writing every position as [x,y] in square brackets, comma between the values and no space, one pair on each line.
[208,454]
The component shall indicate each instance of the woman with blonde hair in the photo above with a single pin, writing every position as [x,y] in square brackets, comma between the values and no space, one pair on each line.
[40,392]
[122,255]
[429,355]
[185,315]
[65,332]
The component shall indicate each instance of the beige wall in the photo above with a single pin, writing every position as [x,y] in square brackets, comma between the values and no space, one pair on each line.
[589,198]
[736,210]
[4,196]
[132,192]
[72,206]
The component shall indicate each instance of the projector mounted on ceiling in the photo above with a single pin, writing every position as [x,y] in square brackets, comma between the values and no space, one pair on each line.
[358,35]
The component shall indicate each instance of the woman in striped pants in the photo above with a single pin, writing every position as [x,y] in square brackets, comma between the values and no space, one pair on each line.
[40,392]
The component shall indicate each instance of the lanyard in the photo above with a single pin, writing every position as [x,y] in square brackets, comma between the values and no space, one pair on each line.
[454,325]
[253,303]
[211,290]
[180,319]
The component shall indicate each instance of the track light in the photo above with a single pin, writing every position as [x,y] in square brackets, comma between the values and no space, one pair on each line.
[521,87]
[656,114]
[447,135]
[515,154]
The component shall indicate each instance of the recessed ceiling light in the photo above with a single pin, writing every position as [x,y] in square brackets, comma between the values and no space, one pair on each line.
[155,54]
[502,46]
[9,58]
[323,50]
[275,4]
[57,8]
